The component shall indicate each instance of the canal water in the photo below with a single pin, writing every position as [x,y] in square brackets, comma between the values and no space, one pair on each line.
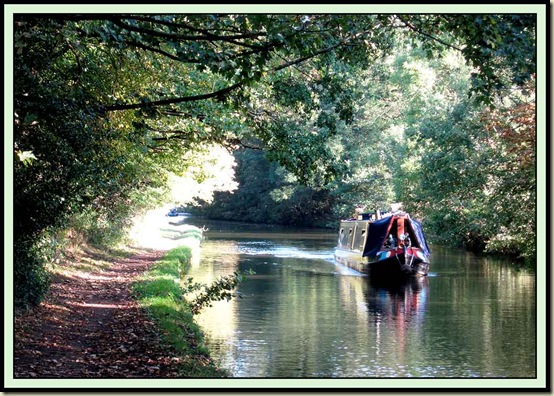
[301,315]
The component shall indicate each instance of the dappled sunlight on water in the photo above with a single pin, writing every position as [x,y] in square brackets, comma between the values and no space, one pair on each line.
[301,314]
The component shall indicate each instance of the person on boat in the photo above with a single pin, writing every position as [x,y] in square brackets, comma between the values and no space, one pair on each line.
[358,211]
[391,241]
[405,240]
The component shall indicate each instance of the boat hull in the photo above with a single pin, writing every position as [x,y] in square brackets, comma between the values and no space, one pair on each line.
[388,263]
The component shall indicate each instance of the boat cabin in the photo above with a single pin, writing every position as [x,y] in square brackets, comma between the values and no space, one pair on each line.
[371,233]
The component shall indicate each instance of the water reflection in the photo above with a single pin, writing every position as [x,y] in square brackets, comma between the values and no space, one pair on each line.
[302,315]
[400,300]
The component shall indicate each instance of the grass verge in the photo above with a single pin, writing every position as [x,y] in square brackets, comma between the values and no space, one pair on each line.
[159,292]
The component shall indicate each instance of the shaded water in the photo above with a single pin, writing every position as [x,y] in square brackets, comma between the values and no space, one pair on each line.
[302,315]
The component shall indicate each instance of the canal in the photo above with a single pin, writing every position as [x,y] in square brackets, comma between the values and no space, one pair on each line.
[302,315]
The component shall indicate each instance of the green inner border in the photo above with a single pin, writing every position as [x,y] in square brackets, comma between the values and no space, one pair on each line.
[295,384]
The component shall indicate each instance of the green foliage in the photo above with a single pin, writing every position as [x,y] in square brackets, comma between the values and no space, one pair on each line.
[26,157]
[501,47]
[166,279]
[220,289]
[164,291]
[108,108]
[79,169]
[268,194]
[475,172]
[415,137]
[30,275]
[159,292]
[511,188]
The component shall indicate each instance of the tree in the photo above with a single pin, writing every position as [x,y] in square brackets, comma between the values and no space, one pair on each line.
[106,105]
[475,178]
[511,188]
[201,67]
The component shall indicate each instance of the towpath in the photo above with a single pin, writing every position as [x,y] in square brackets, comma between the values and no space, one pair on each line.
[89,326]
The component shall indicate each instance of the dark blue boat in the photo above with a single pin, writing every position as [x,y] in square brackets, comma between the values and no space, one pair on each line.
[392,245]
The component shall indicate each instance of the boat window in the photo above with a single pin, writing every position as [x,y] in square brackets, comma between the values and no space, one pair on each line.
[343,237]
[361,240]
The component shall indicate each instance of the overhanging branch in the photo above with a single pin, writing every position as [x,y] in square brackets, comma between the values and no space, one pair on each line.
[164,102]
[220,93]
[412,27]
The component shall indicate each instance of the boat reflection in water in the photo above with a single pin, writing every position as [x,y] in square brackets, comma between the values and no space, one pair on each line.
[398,299]
[396,314]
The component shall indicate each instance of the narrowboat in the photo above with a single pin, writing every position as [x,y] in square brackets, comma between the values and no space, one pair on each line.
[391,244]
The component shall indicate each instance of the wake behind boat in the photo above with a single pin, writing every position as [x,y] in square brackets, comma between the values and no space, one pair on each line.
[392,244]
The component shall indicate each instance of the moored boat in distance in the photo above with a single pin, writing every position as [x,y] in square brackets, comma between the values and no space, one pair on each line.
[390,244]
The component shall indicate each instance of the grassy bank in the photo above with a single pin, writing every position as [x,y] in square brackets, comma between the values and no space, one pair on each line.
[160,293]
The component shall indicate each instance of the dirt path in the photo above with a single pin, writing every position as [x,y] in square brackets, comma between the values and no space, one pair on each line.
[89,326]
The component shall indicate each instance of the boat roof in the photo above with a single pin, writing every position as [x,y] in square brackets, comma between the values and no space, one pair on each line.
[379,229]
